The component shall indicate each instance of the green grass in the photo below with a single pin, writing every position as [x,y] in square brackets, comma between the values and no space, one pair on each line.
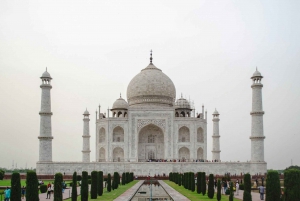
[6,182]
[107,196]
[193,195]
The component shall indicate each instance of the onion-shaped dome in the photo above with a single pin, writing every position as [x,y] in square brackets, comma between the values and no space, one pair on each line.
[46,74]
[151,86]
[182,103]
[86,112]
[120,103]
[216,112]
[256,74]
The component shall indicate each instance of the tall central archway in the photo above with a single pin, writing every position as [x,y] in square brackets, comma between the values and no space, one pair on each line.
[151,143]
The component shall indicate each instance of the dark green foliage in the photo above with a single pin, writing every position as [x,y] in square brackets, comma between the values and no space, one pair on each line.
[242,187]
[192,182]
[2,173]
[179,179]
[100,183]
[188,181]
[79,177]
[247,188]
[170,176]
[273,186]
[74,187]
[123,178]
[199,182]
[211,189]
[84,187]
[131,176]
[292,185]
[58,179]
[43,188]
[89,177]
[108,183]
[15,194]
[32,191]
[115,181]
[231,192]
[203,183]
[94,183]
[127,178]
[219,190]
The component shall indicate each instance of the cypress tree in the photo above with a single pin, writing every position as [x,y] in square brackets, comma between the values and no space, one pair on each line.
[131,176]
[211,190]
[170,173]
[74,187]
[32,190]
[58,180]
[108,183]
[188,181]
[203,183]
[192,181]
[219,190]
[176,177]
[231,192]
[15,194]
[179,179]
[94,183]
[100,183]
[127,178]
[84,187]
[123,179]
[247,188]
[273,186]
[199,182]
[292,185]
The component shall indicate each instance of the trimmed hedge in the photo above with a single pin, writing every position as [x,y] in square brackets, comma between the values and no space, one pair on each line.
[203,183]
[15,187]
[32,191]
[100,183]
[292,185]
[123,178]
[192,177]
[108,183]
[2,173]
[199,182]
[43,188]
[219,190]
[58,179]
[247,188]
[211,189]
[74,187]
[94,182]
[84,187]
[231,192]
[273,186]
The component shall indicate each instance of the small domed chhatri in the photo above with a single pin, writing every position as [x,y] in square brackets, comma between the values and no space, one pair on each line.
[256,74]
[182,103]
[120,103]
[46,74]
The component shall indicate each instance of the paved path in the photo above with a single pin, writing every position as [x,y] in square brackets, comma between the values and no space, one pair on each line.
[255,196]
[175,195]
[127,195]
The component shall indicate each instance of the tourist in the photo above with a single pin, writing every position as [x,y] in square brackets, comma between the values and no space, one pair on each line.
[237,187]
[7,194]
[48,192]
[225,186]
[261,190]
[23,192]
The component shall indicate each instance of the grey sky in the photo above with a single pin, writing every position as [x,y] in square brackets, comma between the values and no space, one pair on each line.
[94,48]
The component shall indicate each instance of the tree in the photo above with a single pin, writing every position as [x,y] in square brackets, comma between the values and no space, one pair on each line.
[58,179]
[84,187]
[192,182]
[231,192]
[2,173]
[94,177]
[219,190]
[108,183]
[211,189]
[127,178]
[273,186]
[199,182]
[74,187]
[203,183]
[179,179]
[188,180]
[247,188]
[32,190]
[123,178]
[170,176]
[100,183]
[292,185]
[15,187]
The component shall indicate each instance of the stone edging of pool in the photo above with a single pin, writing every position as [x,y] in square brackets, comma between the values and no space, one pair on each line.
[128,195]
[175,195]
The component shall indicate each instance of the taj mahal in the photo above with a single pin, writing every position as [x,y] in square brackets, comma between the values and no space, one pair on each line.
[152,132]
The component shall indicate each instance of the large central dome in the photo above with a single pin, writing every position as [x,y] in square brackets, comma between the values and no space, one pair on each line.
[151,86]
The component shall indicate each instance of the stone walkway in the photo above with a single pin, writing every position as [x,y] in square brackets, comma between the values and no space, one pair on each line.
[127,195]
[175,195]
[255,196]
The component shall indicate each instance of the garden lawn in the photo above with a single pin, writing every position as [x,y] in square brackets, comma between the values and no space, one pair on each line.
[194,195]
[107,196]
[6,182]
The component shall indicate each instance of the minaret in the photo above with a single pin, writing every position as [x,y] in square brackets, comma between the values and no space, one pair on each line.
[257,129]
[45,150]
[216,137]
[86,137]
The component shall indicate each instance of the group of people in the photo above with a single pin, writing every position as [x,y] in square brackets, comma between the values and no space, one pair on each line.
[50,188]
[181,160]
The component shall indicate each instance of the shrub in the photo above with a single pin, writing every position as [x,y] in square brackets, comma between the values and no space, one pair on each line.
[219,190]
[15,187]
[58,179]
[211,190]
[179,179]
[242,187]
[203,183]
[109,183]
[192,182]
[115,182]
[131,176]
[170,176]
[292,185]
[32,191]
[273,186]
[123,178]
[89,177]
[247,188]
[2,173]
[100,183]
[84,187]
[188,180]
[199,182]
[79,177]
[89,181]
[227,192]
[74,187]
[94,185]
[127,178]
[231,192]
[43,188]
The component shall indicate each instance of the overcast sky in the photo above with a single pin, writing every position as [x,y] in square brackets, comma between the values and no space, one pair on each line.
[92,49]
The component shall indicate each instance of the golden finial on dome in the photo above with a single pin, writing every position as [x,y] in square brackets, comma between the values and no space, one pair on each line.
[151,57]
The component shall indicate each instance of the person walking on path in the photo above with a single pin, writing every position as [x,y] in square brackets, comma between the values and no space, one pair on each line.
[49,192]
[261,190]
[237,188]
[23,192]
[7,194]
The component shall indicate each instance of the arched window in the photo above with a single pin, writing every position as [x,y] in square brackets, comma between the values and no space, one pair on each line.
[200,137]
[182,114]
[176,114]
[118,134]
[101,154]
[184,134]
[184,153]
[119,114]
[102,135]
[200,153]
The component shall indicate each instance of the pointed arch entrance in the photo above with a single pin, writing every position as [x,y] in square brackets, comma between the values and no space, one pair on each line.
[151,143]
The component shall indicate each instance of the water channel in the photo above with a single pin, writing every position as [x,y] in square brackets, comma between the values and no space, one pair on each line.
[151,190]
